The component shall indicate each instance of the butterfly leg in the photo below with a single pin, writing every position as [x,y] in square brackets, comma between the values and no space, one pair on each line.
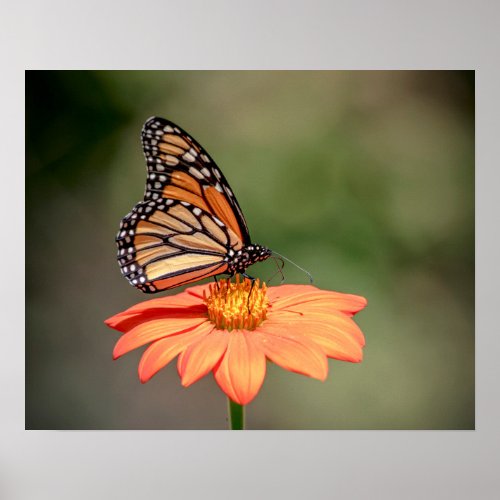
[279,268]
[245,275]
[216,282]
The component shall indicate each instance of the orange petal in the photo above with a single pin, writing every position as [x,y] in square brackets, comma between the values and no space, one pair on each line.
[316,305]
[198,290]
[286,296]
[292,351]
[125,321]
[340,322]
[335,343]
[161,352]
[150,331]
[241,372]
[180,361]
[175,304]
[334,319]
[200,358]
[183,299]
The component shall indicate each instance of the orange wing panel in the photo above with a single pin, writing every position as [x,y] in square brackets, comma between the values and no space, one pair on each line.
[189,277]
[175,139]
[148,227]
[144,256]
[177,193]
[222,210]
[178,264]
[145,240]
[185,181]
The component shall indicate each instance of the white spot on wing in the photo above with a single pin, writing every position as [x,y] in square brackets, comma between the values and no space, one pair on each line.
[171,160]
[195,172]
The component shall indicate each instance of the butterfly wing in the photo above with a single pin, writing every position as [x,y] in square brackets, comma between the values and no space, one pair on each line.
[189,225]
[179,168]
[166,243]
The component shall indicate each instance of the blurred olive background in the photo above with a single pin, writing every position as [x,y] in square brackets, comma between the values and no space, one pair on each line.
[366,179]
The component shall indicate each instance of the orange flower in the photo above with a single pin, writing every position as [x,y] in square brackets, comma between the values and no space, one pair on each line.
[221,328]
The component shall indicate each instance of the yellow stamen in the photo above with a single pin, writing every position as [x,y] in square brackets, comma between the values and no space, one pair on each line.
[237,306]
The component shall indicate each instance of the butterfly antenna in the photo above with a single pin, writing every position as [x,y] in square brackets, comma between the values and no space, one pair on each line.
[309,275]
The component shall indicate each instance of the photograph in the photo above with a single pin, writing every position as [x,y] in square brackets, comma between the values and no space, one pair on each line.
[250,250]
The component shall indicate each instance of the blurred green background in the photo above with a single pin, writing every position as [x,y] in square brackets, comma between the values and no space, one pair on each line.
[365,178]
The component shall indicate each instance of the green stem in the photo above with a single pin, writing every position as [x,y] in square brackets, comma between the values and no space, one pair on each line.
[236,415]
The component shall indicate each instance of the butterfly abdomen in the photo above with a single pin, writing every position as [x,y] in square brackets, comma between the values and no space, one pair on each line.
[238,261]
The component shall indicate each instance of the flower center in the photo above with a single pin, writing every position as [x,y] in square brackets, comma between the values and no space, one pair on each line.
[237,306]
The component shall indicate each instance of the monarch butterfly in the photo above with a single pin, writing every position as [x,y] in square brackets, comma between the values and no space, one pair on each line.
[189,225]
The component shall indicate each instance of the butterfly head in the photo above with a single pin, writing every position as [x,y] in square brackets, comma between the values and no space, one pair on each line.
[248,255]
